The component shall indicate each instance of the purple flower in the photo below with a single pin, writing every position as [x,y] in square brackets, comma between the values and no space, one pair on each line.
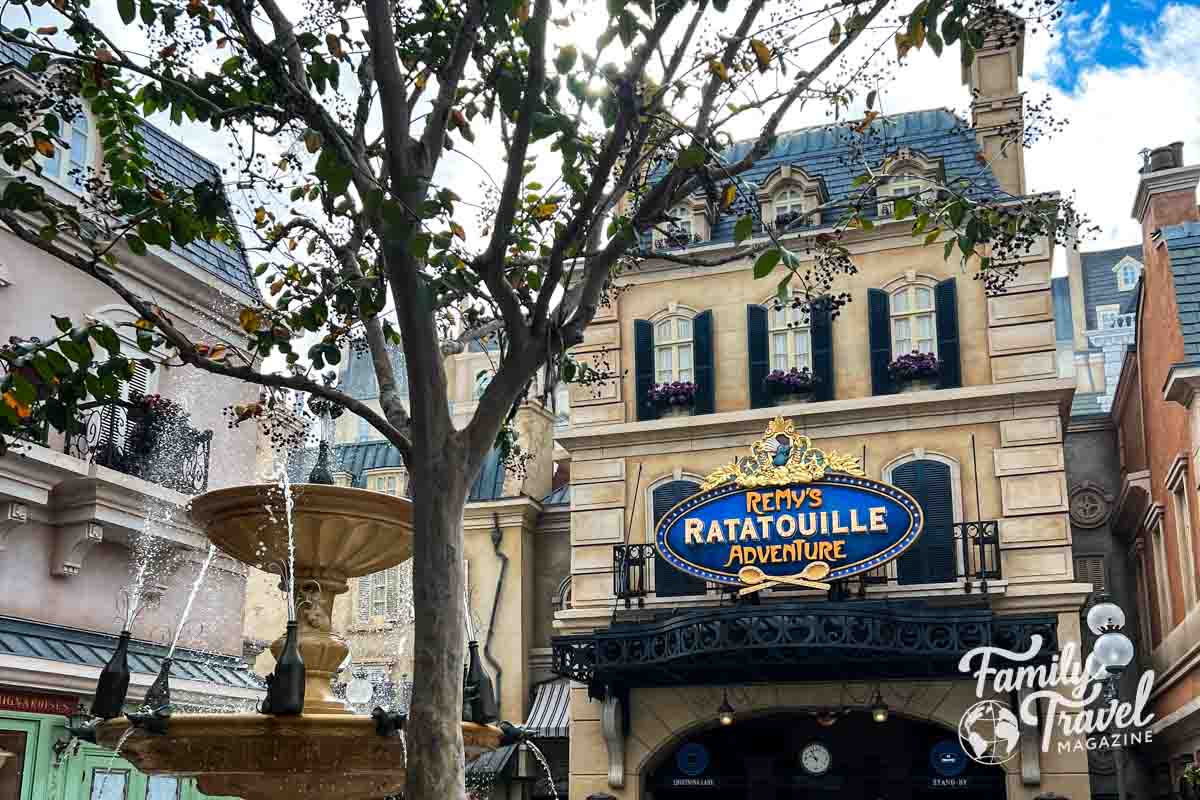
[915,366]
[794,381]
[678,393]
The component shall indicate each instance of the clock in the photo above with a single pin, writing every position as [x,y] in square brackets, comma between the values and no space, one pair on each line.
[815,758]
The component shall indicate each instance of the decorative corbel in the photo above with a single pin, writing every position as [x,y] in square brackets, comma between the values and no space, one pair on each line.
[12,516]
[71,546]
[612,726]
[1030,742]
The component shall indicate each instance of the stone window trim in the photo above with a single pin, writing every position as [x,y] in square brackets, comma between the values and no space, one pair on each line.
[1106,311]
[673,345]
[679,474]
[912,303]
[907,172]
[691,216]
[1127,270]
[788,326]
[385,475]
[1152,524]
[73,153]
[956,494]
[1179,487]
[790,186]
[1177,472]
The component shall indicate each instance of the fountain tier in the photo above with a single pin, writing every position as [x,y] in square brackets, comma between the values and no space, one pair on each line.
[326,752]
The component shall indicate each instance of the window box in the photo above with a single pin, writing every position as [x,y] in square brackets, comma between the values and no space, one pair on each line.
[793,386]
[915,371]
[917,385]
[677,399]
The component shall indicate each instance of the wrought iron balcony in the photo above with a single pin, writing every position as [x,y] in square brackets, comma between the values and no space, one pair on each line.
[965,553]
[132,440]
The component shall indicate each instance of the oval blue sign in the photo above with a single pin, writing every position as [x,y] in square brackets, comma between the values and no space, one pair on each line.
[802,534]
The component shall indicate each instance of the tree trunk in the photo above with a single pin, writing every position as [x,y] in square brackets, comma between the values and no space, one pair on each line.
[439,490]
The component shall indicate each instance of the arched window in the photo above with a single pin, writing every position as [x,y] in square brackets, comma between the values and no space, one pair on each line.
[934,482]
[789,206]
[912,317]
[1128,270]
[791,336]
[665,495]
[673,349]
[904,184]
[393,482]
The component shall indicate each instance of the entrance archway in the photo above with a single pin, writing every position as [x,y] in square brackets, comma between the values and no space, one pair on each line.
[765,758]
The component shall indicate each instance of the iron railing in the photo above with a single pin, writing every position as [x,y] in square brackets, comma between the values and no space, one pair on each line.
[122,436]
[966,553]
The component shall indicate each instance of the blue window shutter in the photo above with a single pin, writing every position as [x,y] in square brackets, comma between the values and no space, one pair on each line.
[668,581]
[821,327]
[702,355]
[643,368]
[758,353]
[879,323]
[931,559]
[945,302]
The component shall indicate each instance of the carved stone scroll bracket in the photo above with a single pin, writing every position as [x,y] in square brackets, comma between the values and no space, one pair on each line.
[1031,744]
[612,726]
[12,516]
[71,545]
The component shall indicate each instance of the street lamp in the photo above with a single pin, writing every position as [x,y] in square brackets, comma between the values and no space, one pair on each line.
[1113,650]
[879,709]
[725,711]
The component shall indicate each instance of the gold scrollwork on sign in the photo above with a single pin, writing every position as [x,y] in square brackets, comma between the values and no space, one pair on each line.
[781,457]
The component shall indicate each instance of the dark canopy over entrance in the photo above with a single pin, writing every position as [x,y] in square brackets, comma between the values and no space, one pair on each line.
[764,759]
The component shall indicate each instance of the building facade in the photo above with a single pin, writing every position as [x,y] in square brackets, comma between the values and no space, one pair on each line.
[73,511]
[823,696]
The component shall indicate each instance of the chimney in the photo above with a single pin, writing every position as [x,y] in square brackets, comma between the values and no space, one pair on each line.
[997,107]
[1166,193]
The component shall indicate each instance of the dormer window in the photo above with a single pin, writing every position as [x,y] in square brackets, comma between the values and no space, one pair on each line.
[1128,271]
[678,232]
[907,184]
[69,166]
[789,198]
[790,206]
[908,173]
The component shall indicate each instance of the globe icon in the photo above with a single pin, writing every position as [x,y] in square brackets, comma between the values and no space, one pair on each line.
[989,732]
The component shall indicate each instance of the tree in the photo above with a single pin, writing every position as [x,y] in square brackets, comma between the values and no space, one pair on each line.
[354,225]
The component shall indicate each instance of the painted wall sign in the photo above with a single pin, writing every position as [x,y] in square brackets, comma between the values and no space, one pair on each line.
[788,513]
[32,703]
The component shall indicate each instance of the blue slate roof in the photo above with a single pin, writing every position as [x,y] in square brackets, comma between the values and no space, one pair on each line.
[1100,282]
[1183,248]
[358,376]
[182,166]
[560,496]
[825,152]
[359,458]
[20,637]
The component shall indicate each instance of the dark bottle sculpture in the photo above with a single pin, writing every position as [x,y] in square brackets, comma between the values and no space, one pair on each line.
[114,682]
[158,696]
[479,696]
[285,687]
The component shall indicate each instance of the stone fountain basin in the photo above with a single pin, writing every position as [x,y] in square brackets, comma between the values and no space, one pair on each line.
[260,757]
[340,532]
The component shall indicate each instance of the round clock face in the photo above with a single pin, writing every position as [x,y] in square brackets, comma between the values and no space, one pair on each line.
[815,758]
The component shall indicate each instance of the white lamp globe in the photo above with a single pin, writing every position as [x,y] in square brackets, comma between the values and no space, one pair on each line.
[1114,650]
[1105,617]
[359,691]
[1093,669]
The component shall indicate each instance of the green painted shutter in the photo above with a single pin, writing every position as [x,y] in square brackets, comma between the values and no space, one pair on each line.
[643,368]
[668,581]
[758,353]
[879,323]
[821,326]
[945,301]
[702,362]
[932,558]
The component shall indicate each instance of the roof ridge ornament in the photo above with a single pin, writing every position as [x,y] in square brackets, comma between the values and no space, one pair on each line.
[782,456]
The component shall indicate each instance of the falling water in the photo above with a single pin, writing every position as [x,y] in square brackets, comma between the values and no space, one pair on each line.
[134,600]
[212,551]
[109,769]
[289,505]
[404,747]
[541,757]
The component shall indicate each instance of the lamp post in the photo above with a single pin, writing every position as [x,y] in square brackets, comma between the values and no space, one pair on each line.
[725,711]
[1113,650]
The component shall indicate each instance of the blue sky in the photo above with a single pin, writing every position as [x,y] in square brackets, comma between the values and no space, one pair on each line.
[1098,32]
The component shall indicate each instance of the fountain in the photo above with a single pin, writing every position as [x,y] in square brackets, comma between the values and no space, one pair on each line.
[325,751]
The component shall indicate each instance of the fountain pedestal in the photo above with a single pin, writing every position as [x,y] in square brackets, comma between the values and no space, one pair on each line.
[326,752]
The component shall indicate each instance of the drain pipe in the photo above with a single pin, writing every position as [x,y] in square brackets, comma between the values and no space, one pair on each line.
[497,538]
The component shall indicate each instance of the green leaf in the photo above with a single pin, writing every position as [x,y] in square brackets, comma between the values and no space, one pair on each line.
[135,244]
[871,99]
[743,229]
[835,33]
[932,236]
[692,157]
[948,250]
[38,62]
[62,323]
[766,262]
[903,207]
[127,10]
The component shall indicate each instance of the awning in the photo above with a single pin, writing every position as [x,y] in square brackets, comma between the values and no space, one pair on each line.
[491,763]
[550,716]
